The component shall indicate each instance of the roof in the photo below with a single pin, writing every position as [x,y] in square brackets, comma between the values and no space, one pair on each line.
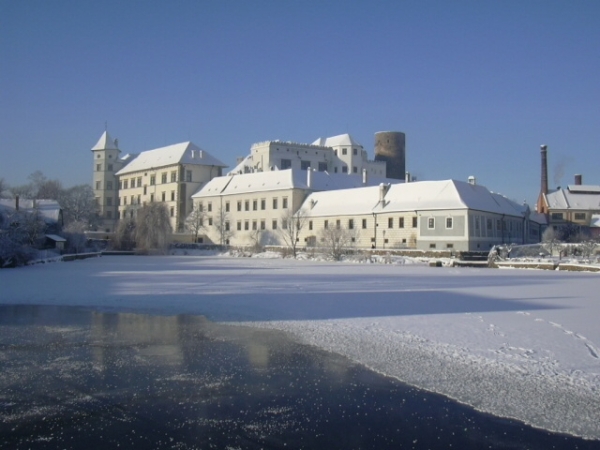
[580,197]
[105,143]
[182,153]
[417,196]
[49,209]
[335,141]
[56,238]
[595,222]
[283,179]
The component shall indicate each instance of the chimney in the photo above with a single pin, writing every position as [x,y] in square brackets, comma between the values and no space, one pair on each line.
[472,180]
[16,202]
[365,177]
[309,177]
[193,154]
[544,187]
[383,188]
[407,177]
[578,180]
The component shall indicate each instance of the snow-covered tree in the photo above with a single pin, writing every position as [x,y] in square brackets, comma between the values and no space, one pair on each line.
[74,233]
[550,240]
[78,204]
[222,224]
[124,237]
[153,227]
[291,226]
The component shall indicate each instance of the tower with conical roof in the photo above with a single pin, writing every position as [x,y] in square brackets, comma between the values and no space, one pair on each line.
[105,183]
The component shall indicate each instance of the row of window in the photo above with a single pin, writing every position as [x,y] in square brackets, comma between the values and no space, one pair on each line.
[109,167]
[560,216]
[132,213]
[481,226]
[246,204]
[136,199]
[164,177]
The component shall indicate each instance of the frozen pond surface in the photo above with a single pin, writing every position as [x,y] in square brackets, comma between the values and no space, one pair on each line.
[519,344]
[73,378]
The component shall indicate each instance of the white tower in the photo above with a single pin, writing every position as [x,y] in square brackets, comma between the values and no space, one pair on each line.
[105,183]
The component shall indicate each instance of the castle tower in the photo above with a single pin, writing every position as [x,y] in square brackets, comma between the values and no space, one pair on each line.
[106,163]
[390,146]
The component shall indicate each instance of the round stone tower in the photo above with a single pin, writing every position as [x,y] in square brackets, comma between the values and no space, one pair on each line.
[390,146]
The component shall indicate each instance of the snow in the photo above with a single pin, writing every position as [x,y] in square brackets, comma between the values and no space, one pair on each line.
[516,343]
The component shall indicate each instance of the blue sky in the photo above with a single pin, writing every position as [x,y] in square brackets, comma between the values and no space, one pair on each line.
[476,86]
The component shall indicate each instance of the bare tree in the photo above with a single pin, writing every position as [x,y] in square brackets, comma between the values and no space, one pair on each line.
[14,247]
[74,232]
[222,223]
[588,247]
[291,226]
[337,239]
[194,223]
[256,239]
[550,240]
[78,204]
[153,227]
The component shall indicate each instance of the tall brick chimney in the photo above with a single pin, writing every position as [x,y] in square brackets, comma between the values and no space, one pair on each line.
[540,207]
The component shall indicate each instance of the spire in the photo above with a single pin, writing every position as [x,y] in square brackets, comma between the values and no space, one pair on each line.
[105,143]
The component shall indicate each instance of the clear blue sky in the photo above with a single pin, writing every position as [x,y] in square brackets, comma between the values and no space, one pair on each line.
[476,86]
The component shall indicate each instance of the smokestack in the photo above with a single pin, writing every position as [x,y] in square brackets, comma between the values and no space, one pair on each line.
[578,180]
[544,187]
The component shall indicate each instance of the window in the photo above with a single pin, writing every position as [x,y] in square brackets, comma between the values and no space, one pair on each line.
[286,164]
[322,167]
[125,184]
[335,152]
[364,224]
[254,205]
[139,199]
[152,180]
[263,204]
[124,200]
[344,151]
[239,225]
[109,214]
[98,156]
[284,203]
[139,181]
[489,223]
[338,224]
[449,245]
[172,211]
[326,224]
[304,165]
[344,169]
[355,151]
[263,225]
[247,205]
[239,205]
[557,216]
[431,245]
[173,176]
[579,216]
[210,221]
[145,189]
[246,225]
[98,167]
[401,222]
[354,169]
[226,225]
[449,223]
[254,225]
[284,224]
[163,177]
[133,200]
[132,183]
[163,196]
[351,224]
[118,214]
[310,224]
[108,201]
[98,184]
[390,222]
[209,207]
[109,185]
[172,196]
[188,176]
[431,223]
[274,203]
[110,167]
[120,185]
[414,222]
[274,225]
[335,169]
[226,206]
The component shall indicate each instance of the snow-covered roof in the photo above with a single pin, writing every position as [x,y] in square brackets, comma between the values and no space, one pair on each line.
[244,166]
[336,141]
[284,179]
[183,153]
[105,143]
[49,209]
[56,238]
[575,197]
[417,196]
[595,222]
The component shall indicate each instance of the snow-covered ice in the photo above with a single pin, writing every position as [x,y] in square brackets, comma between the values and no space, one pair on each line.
[520,344]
